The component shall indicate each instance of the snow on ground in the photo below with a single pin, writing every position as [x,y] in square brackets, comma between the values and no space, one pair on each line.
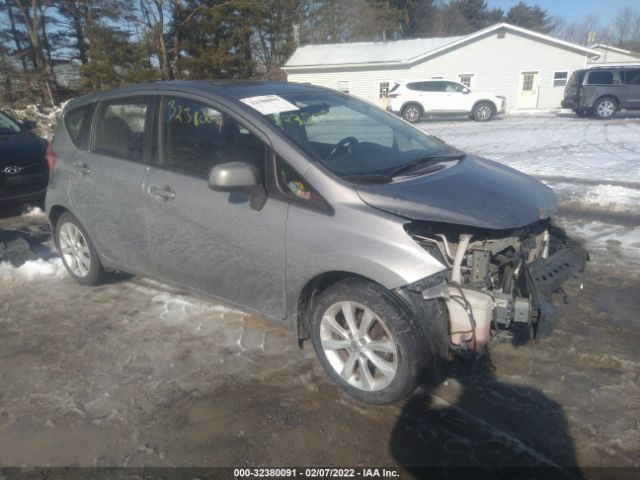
[31,211]
[593,165]
[31,270]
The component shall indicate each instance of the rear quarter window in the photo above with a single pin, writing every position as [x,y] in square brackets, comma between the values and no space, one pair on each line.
[600,78]
[632,77]
[78,122]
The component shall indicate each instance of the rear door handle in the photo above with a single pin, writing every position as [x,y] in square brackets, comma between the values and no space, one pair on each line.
[164,193]
[82,168]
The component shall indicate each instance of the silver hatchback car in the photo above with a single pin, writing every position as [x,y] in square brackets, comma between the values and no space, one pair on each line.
[386,247]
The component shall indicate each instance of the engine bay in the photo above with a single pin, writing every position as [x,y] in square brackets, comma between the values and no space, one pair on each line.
[498,282]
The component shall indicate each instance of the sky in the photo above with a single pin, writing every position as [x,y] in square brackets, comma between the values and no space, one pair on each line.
[574,9]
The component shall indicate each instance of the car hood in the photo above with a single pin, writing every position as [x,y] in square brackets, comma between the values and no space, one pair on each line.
[21,149]
[476,192]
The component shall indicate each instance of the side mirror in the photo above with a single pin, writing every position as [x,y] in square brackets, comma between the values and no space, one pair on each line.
[466,90]
[29,124]
[232,177]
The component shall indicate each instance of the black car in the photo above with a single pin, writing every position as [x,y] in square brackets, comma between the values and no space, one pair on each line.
[602,91]
[24,172]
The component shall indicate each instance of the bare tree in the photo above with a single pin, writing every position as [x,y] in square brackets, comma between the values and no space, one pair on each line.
[154,11]
[31,17]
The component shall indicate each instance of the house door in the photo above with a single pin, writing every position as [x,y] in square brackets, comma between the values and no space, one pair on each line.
[383,93]
[528,90]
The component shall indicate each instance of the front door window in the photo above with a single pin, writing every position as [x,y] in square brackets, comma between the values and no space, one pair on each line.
[197,137]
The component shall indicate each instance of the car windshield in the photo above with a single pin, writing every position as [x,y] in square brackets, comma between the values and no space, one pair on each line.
[351,137]
[8,125]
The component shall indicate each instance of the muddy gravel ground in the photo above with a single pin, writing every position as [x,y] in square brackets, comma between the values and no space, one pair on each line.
[135,373]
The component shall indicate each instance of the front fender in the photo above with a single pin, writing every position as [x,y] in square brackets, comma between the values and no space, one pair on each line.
[359,241]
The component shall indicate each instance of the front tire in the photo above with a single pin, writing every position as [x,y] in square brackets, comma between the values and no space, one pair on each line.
[605,108]
[412,113]
[78,253]
[367,343]
[483,112]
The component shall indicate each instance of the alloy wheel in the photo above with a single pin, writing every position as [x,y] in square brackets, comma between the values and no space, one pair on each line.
[606,108]
[75,250]
[411,114]
[359,346]
[483,112]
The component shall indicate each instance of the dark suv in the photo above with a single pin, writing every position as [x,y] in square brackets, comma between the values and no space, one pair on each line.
[601,92]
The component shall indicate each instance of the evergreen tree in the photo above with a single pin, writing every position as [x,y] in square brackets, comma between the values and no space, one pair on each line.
[216,38]
[531,17]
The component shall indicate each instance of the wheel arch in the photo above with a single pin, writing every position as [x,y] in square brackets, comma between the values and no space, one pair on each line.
[608,95]
[490,102]
[412,102]
[54,214]
[306,295]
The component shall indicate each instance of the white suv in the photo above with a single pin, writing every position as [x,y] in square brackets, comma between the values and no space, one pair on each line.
[414,99]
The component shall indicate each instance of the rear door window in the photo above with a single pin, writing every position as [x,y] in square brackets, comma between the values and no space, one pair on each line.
[600,78]
[120,128]
[78,124]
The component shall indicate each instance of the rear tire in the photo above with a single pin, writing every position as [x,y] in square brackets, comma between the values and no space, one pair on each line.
[605,108]
[412,113]
[78,253]
[483,112]
[369,345]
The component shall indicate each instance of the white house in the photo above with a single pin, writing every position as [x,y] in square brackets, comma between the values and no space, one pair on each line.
[614,56]
[528,68]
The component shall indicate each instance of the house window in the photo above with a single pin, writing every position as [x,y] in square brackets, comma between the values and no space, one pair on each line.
[560,79]
[343,86]
[465,79]
[383,90]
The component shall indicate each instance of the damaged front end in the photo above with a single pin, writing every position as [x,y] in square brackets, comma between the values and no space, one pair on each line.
[498,282]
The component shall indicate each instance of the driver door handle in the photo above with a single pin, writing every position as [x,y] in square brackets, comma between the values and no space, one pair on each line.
[165,193]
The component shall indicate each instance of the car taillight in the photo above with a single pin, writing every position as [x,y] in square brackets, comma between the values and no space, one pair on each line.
[51,156]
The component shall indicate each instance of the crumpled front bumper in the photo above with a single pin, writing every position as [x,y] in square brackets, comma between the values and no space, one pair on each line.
[546,276]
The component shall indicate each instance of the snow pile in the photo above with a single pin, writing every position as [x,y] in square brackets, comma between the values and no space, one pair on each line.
[598,198]
[31,211]
[45,118]
[32,269]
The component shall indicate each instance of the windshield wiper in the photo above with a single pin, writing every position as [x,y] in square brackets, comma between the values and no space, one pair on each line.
[425,160]
[368,178]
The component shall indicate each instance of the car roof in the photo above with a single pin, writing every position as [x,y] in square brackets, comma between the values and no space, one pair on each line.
[231,89]
[433,80]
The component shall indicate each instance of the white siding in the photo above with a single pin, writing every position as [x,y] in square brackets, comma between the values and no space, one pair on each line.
[362,83]
[613,57]
[496,63]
